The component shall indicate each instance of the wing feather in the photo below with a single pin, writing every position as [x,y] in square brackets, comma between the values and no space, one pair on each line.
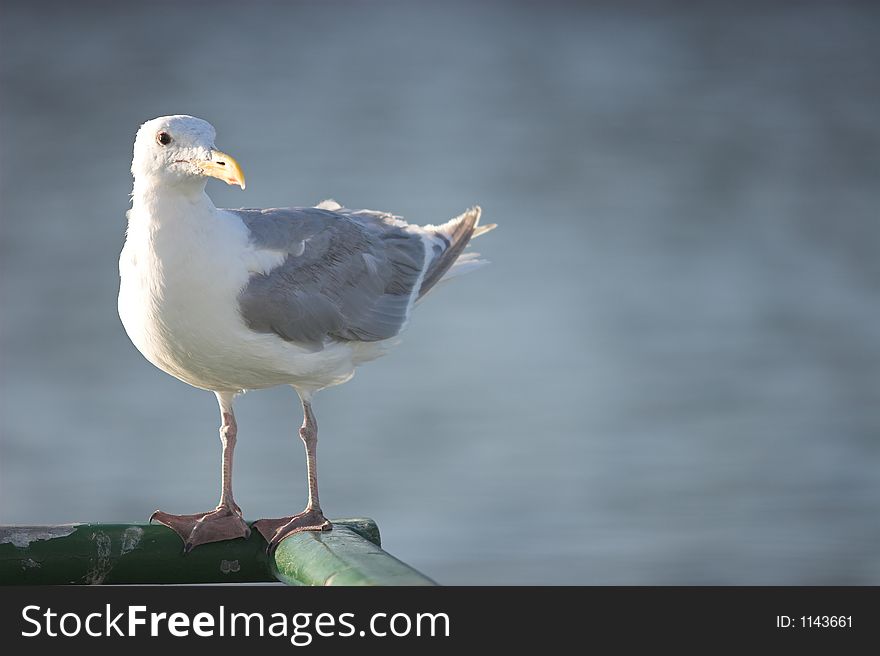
[347,275]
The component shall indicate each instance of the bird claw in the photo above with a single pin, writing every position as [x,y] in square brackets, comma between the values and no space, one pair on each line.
[275,530]
[201,528]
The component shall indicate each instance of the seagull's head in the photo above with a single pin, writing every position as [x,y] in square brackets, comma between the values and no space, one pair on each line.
[179,150]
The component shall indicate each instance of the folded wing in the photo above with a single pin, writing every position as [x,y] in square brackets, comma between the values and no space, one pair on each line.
[345,277]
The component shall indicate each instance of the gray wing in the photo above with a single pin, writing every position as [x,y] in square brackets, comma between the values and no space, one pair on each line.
[347,276]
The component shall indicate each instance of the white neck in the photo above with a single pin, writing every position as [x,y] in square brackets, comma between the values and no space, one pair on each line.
[154,201]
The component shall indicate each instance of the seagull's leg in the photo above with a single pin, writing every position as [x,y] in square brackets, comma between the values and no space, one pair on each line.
[225,521]
[310,519]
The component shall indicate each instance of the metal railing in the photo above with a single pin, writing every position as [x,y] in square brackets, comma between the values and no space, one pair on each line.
[349,554]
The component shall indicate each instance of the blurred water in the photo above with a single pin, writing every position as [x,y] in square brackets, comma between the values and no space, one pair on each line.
[669,373]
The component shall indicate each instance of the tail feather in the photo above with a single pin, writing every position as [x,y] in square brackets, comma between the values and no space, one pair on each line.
[482,230]
[465,263]
[456,234]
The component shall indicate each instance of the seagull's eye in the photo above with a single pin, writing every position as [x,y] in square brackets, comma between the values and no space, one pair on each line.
[163,138]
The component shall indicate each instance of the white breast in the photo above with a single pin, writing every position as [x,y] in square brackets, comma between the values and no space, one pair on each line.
[180,279]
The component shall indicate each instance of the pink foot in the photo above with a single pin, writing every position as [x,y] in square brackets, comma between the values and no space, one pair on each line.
[275,530]
[214,526]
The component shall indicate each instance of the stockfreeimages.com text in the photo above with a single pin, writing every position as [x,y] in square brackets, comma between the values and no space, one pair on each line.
[301,628]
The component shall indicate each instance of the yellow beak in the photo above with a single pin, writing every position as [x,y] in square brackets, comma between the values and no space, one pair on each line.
[223,167]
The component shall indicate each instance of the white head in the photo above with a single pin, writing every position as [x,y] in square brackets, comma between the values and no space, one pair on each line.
[179,151]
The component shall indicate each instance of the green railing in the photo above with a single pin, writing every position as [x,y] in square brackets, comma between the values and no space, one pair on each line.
[350,554]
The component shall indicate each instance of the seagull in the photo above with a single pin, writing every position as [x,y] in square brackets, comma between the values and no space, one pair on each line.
[230,300]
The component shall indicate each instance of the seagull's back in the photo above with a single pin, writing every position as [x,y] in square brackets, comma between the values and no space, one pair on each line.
[246,299]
